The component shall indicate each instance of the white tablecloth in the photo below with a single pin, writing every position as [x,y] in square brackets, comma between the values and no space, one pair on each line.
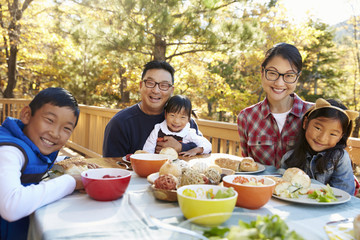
[79,217]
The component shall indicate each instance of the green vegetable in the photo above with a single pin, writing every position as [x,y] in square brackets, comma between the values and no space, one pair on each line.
[264,227]
[323,195]
[225,194]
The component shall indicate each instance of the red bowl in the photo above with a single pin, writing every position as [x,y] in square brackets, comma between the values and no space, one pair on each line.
[145,164]
[105,184]
[251,196]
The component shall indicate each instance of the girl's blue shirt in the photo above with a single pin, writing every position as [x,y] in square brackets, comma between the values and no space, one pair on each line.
[342,177]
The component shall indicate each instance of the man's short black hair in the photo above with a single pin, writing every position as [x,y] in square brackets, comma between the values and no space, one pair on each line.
[56,96]
[159,65]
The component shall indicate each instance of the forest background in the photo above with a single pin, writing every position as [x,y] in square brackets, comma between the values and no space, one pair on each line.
[97,48]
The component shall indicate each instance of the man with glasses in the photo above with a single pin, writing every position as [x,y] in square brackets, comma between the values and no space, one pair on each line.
[128,130]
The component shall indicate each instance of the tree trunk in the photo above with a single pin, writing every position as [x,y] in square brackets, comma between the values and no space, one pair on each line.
[9,93]
[355,133]
[16,14]
[124,95]
[159,48]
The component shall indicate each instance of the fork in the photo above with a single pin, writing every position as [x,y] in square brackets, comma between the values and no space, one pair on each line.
[154,223]
[170,227]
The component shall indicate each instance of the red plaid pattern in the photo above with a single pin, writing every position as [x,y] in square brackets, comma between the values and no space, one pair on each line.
[259,134]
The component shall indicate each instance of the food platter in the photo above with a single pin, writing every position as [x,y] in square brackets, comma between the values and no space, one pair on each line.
[211,159]
[341,197]
[261,168]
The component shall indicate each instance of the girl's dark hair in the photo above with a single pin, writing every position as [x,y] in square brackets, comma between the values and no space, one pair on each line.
[56,96]
[178,102]
[287,51]
[301,147]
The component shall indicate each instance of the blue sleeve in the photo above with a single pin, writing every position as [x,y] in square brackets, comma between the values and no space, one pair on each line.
[343,176]
[191,145]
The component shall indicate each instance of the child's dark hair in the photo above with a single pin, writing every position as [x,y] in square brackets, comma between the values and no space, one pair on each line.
[159,65]
[178,102]
[56,96]
[287,51]
[298,157]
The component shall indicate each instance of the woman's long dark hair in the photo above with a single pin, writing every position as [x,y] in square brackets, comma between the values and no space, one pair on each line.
[334,154]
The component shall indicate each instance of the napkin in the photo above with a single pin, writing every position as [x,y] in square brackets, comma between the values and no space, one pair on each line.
[340,230]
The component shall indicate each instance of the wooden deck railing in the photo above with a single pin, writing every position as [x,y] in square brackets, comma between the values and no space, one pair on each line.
[89,133]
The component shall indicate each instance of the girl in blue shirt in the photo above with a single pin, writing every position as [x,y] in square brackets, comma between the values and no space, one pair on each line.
[320,149]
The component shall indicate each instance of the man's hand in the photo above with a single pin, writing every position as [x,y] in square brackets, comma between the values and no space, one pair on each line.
[168,142]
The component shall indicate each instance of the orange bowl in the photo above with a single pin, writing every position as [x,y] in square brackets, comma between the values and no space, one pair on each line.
[251,196]
[145,164]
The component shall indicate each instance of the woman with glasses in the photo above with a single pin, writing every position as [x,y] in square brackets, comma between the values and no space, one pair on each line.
[268,129]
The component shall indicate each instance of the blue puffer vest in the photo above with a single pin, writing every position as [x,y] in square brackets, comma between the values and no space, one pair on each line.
[36,165]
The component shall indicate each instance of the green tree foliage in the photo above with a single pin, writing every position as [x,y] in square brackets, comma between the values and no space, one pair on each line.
[97,50]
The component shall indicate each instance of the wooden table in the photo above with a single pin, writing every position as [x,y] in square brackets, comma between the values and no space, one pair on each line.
[107,162]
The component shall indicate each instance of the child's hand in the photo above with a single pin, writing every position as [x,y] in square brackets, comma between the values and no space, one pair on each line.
[92,166]
[192,152]
[79,184]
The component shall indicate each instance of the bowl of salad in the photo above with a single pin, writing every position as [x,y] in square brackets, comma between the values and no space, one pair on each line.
[253,191]
[241,225]
[204,199]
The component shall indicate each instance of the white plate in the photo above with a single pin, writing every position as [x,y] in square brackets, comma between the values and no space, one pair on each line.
[125,160]
[344,197]
[261,168]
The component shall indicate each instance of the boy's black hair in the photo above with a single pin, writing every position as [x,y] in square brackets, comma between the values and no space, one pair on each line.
[56,96]
[178,102]
[334,154]
[159,65]
[287,51]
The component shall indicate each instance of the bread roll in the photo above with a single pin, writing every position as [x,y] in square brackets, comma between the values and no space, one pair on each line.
[170,168]
[233,164]
[297,177]
[248,165]
[200,166]
[276,179]
[172,153]
[216,167]
[73,166]
[140,151]
[281,188]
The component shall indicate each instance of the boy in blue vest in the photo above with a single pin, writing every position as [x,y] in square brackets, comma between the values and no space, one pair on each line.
[28,149]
